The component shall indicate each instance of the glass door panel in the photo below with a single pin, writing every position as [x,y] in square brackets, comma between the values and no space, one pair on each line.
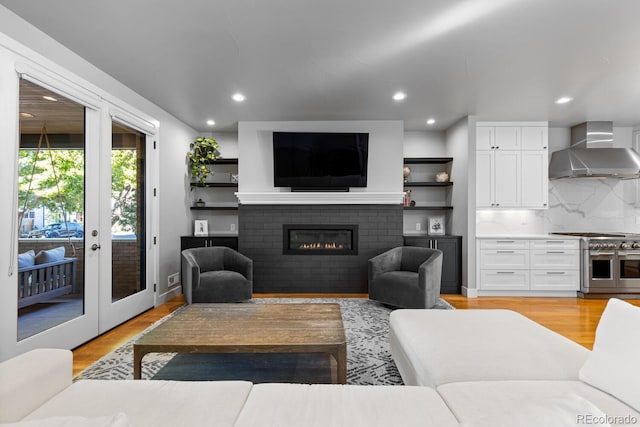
[128,221]
[51,266]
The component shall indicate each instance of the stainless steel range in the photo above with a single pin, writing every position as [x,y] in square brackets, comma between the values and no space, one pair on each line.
[610,264]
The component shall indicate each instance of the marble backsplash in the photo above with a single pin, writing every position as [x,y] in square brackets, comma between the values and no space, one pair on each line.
[579,204]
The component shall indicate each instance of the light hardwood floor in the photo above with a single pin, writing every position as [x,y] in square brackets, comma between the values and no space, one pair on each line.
[574,318]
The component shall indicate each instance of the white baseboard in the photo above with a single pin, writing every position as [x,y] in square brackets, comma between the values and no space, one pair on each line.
[170,294]
[469,292]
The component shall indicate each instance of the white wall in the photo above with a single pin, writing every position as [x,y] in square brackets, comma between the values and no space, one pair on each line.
[22,43]
[255,148]
[457,146]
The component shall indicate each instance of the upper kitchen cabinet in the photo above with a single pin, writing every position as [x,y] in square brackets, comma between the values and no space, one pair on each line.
[512,165]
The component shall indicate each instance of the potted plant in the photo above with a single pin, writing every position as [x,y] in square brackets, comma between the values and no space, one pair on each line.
[201,153]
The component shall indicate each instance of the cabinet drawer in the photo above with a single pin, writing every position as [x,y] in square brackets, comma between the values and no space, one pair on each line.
[555,259]
[559,280]
[504,244]
[507,259]
[504,280]
[552,244]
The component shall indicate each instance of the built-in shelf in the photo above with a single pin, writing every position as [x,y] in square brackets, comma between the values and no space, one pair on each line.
[214,184]
[428,184]
[224,162]
[214,208]
[428,208]
[427,160]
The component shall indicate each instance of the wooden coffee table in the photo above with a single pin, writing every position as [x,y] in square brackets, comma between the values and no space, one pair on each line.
[250,328]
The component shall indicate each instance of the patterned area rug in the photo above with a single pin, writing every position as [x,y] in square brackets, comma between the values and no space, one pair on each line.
[366,325]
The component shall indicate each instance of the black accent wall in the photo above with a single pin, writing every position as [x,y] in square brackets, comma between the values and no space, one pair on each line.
[260,238]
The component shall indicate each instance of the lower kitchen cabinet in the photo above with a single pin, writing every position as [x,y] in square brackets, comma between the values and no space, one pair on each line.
[451,247]
[535,265]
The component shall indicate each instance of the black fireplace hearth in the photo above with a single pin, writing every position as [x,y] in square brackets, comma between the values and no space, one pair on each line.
[319,239]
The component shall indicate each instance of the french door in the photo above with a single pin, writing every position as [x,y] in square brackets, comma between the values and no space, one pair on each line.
[84,185]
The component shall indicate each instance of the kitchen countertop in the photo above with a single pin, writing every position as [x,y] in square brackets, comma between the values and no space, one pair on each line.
[528,236]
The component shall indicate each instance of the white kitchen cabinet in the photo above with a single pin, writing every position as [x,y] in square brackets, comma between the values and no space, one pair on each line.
[485,191]
[512,165]
[534,137]
[528,266]
[507,178]
[534,190]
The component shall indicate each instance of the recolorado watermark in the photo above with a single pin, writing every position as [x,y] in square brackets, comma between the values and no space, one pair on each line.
[590,419]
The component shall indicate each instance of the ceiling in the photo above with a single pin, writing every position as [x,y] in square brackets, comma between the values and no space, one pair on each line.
[344,59]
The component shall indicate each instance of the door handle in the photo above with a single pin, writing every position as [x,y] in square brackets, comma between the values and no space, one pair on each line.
[95,247]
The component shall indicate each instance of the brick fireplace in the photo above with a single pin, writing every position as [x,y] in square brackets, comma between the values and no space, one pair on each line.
[337,241]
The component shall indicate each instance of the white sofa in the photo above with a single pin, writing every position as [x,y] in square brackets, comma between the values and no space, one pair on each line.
[493,366]
[469,367]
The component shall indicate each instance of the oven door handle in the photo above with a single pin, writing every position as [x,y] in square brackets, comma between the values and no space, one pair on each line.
[628,255]
[596,254]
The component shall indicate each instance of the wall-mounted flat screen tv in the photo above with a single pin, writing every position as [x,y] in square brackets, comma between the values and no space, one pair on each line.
[317,160]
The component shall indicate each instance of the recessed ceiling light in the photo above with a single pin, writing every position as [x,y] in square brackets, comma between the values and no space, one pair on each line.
[27,115]
[49,98]
[564,100]
[399,96]
[238,97]
[431,121]
[211,122]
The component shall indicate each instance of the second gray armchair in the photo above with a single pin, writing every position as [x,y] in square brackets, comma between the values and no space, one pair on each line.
[407,277]
[216,274]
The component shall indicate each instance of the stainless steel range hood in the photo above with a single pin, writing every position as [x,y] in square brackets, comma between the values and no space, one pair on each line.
[592,155]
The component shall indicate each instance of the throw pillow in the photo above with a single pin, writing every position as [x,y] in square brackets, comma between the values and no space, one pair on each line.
[570,411]
[117,420]
[26,259]
[51,255]
[613,366]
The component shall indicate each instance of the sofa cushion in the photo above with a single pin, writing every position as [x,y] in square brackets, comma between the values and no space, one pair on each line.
[568,411]
[26,259]
[320,405]
[614,364]
[489,400]
[433,347]
[151,403]
[117,420]
[50,255]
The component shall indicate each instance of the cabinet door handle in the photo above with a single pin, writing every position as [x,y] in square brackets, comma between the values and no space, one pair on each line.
[555,272]
[556,252]
[505,272]
[554,241]
[505,241]
[505,252]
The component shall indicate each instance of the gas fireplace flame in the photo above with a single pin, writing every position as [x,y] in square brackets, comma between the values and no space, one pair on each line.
[332,245]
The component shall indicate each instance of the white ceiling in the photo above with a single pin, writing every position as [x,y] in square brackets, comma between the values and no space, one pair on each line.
[344,59]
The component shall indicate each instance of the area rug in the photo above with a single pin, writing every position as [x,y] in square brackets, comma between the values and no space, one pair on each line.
[366,325]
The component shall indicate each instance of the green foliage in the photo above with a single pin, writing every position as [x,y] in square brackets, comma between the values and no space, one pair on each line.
[124,215]
[202,152]
[65,197]
[68,195]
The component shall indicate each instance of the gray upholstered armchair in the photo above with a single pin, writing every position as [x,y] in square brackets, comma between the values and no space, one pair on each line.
[407,277]
[216,274]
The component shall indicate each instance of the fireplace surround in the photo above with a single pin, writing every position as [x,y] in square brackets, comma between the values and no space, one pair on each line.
[319,239]
[260,237]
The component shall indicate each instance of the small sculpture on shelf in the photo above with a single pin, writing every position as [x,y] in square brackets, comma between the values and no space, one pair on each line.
[442,177]
[406,171]
[200,203]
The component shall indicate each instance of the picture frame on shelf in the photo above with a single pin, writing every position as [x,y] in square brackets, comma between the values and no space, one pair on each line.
[201,227]
[435,226]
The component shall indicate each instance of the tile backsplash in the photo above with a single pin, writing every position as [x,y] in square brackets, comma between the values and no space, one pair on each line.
[578,204]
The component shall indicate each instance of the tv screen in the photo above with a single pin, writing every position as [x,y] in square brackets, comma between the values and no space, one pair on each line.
[312,160]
